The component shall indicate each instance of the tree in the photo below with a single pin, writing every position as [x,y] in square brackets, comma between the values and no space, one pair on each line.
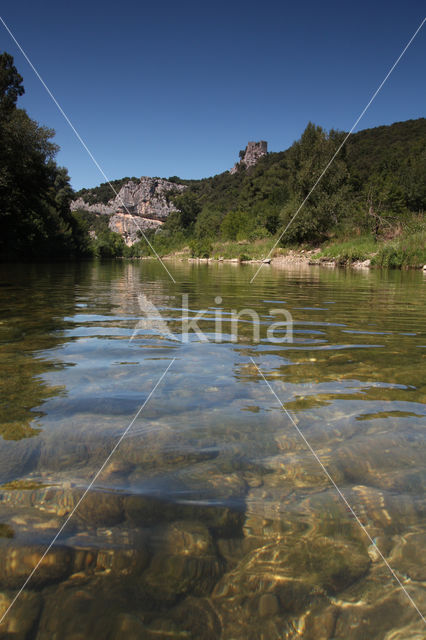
[307,159]
[189,208]
[109,245]
[10,84]
[208,223]
[235,225]
[35,194]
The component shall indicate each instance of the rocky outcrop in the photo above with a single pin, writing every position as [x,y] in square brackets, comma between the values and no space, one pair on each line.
[128,226]
[81,205]
[147,198]
[251,155]
[138,206]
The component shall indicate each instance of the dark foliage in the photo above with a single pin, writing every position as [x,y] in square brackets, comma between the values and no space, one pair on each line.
[35,194]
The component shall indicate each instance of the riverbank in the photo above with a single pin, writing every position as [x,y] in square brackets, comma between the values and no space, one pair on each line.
[407,251]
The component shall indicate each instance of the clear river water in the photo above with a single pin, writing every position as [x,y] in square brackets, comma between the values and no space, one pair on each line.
[171,483]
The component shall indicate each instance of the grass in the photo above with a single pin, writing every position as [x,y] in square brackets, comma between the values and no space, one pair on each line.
[348,251]
[408,250]
[404,252]
[243,250]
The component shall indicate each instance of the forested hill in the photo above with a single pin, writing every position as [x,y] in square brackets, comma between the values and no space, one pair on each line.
[398,149]
[384,147]
[375,187]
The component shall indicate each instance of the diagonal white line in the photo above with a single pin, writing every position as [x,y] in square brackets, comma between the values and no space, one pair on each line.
[64,524]
[82,141]
[341,494]
[344,142]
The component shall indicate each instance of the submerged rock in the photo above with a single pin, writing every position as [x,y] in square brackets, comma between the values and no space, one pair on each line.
[143,511]
[184,561]
[198,618]
[76,610]
[17,562]
[390,618]
[187,538]
[172,575]
[21,620]
[409,554]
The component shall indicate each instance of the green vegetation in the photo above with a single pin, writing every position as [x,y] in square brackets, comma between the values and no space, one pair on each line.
[104,243]
[405,248]
[407,251]
[369,204]
[351,250]
[103,193]
[35,194]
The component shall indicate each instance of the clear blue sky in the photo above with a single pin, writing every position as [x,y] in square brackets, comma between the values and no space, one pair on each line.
[178,88]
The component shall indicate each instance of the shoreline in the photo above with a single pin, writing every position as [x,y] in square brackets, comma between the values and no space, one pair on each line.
[300,258]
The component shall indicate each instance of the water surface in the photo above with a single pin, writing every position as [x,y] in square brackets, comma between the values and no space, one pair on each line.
[212,519]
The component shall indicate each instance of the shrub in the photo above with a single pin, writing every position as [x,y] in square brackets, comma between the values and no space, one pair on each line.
[200,248]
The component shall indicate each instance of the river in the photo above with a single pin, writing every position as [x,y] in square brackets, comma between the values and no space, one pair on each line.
[175,464]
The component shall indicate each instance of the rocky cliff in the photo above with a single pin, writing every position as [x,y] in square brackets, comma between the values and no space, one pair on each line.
[250,155]
[138,206]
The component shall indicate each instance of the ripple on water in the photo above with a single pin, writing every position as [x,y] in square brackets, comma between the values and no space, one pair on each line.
[212,519]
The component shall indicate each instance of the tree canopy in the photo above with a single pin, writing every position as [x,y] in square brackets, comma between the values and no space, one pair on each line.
[35,193]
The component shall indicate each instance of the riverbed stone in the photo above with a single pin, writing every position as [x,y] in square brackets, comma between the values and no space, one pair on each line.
[83,608]
[144,511]
[390,617]
[119,551]
[388,512]
[130,627]
[197,617]
[408,556]
[187,538]
[170,576]
[17,562]
[21,620]
[268,605]
[101,508]
[319,622]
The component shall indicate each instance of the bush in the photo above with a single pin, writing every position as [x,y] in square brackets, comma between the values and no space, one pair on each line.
[110,245]
[200,248]
[407,251]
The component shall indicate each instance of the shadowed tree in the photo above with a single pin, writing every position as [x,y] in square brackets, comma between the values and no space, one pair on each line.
[35,194]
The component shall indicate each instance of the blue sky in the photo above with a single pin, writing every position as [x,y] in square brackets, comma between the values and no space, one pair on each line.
[178,88]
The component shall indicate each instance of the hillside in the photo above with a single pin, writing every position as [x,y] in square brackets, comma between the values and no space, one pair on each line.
[398,149]
[375,188]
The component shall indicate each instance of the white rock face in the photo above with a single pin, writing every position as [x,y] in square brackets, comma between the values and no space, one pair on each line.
[138,206]
[128,226]
[99,207]
[252,153]
[147,198]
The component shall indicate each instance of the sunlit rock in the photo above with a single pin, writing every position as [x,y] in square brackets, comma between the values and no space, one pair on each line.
[21,620]
[17,562]
[197,617]
[408,555]
[170,576]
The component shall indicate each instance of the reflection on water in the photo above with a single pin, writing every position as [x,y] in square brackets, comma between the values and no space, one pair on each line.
[212,519]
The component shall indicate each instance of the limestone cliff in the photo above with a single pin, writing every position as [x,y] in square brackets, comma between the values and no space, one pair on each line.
[250,155]
[138,206]
[128,226]
[98,207]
